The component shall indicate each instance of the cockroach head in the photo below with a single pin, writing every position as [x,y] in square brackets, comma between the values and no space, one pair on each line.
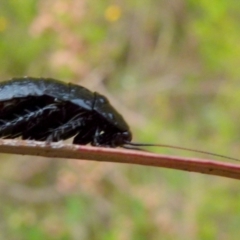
[112,139]
[121,138]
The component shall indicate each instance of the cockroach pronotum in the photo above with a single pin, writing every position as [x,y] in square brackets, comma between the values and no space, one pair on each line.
[46,109]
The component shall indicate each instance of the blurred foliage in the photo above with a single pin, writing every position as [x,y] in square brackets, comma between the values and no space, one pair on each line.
[171,68]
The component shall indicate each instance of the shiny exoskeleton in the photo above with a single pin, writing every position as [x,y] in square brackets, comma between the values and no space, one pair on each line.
[45,109]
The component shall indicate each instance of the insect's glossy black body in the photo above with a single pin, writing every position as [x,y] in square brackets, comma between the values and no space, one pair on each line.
[47,109]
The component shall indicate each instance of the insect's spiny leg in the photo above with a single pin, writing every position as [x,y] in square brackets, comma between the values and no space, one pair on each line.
[86,134]
[66,130]
[16,127]
[96,135]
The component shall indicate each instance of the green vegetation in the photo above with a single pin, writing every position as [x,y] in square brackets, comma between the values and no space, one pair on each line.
[172,69]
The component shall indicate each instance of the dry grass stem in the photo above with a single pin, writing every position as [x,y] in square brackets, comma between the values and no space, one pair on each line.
[69,151]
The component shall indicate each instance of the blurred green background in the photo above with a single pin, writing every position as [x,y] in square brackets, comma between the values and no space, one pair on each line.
[171,67]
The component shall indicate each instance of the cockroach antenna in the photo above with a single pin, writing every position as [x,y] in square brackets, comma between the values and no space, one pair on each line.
[134,146]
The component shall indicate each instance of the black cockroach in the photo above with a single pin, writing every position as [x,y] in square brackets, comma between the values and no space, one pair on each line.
[46,109]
